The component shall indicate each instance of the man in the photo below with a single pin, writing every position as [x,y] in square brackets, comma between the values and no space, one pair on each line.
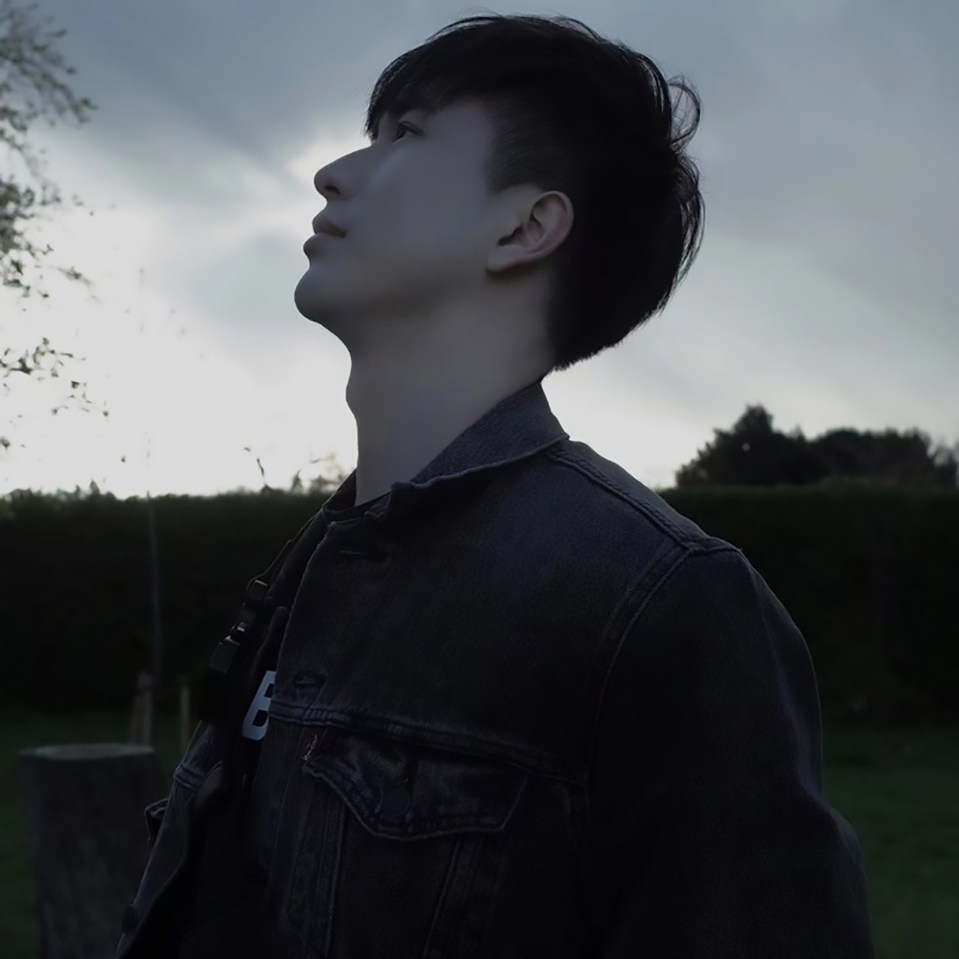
[511,703]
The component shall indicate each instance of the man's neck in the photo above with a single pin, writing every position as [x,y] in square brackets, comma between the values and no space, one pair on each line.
[403,426]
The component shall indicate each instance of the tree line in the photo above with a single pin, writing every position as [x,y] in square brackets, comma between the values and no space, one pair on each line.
[752,453]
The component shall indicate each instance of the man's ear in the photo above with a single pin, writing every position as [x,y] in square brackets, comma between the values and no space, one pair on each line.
[542,227]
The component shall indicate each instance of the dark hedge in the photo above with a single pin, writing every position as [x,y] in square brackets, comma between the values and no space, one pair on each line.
[868,571]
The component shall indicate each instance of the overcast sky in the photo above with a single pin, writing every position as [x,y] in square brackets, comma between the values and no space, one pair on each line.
[825,289]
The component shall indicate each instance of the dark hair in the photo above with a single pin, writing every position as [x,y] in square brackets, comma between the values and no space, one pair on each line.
[586,116]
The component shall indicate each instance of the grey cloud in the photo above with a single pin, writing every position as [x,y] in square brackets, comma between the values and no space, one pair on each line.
[179,82]
[825,131]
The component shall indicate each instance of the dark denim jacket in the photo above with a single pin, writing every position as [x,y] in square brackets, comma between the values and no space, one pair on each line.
[524,708]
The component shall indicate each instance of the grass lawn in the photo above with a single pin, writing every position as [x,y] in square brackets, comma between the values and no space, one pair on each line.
[899,788]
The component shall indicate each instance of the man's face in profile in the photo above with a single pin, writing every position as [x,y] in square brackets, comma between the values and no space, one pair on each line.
[418,222]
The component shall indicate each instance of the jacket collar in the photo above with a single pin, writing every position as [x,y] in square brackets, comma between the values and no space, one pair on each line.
[515,428]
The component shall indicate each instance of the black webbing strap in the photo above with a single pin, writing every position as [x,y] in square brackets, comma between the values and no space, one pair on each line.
[212,891]
[219,876]
[224,664]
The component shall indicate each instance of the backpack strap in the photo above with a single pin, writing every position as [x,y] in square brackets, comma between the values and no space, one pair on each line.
[226,663]
[213,878]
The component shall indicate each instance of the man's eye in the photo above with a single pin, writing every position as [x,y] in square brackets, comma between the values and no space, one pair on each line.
[402,125]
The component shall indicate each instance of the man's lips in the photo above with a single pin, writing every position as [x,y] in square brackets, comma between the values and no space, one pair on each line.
[312,242]
[323,225]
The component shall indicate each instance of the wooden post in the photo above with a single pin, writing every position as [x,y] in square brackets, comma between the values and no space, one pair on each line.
[141,719]
[184,714]
[88,839]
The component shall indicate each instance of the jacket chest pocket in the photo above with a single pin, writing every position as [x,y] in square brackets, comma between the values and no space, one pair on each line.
[392,848]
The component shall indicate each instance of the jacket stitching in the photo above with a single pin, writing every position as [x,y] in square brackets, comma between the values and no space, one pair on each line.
[692,551]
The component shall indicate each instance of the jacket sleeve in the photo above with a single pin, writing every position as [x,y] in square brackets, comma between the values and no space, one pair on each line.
[708,834]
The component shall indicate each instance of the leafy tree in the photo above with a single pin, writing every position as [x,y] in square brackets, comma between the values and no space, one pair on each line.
[752,453]
[32,86]
[901,457]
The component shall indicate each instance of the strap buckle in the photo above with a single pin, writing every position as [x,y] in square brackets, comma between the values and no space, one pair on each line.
[221,669]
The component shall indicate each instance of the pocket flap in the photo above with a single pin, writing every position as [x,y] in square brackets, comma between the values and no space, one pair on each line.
[409,791]
[153,814]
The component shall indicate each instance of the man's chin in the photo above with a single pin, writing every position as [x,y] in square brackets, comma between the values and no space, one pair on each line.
[306,300]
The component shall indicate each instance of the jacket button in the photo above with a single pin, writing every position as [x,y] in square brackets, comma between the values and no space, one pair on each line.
[396,801]
[130,918]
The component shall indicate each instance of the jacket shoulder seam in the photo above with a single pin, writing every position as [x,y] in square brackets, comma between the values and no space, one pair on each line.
[690,551]
[578,464]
